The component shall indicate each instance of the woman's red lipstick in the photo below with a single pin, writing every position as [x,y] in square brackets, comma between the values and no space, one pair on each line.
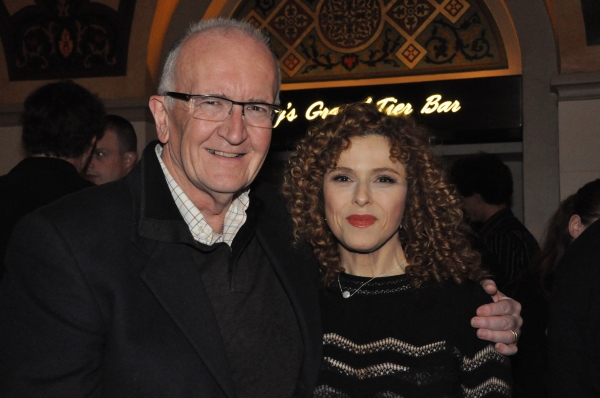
[361,220]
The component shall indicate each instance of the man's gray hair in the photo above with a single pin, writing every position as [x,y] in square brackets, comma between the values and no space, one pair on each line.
[220,25]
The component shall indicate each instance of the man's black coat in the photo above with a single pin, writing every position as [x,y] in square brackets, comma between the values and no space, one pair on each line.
[31,184]
[102,299]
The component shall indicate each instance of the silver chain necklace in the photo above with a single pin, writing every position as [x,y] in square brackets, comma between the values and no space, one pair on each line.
[346,294]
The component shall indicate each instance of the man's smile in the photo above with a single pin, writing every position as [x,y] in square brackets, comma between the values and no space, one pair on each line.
[225,154]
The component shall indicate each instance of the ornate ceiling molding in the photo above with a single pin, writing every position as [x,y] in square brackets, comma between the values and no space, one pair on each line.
[66,39]
[325,40]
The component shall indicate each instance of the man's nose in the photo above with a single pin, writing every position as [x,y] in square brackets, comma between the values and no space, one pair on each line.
[233,129]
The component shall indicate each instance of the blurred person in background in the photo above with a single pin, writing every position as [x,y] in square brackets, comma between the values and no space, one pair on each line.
[115,154]
[532,290]
[61,123]
[486,185]
[574,323]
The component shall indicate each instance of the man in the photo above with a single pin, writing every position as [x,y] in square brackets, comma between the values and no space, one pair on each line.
[61,122]
[486,185]
[181,281]
[115,154]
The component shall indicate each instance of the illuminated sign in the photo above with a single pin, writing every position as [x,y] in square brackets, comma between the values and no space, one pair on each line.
[455,111]
[389,105]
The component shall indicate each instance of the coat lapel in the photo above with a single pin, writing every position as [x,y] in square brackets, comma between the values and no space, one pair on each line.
[298,272]
[170,273]
[290,266]
[177,285]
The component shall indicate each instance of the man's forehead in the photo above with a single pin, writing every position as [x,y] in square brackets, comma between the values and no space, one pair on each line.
[201,47]
[108,139]
[217,36]
[219,51]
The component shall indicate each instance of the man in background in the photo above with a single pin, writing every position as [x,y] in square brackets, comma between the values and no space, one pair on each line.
[486,185]
[61,123]
[115,154]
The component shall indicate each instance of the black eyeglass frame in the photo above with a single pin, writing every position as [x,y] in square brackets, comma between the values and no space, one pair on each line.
[188,97]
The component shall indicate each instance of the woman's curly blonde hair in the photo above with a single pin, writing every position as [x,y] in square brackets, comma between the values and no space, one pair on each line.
[432,232]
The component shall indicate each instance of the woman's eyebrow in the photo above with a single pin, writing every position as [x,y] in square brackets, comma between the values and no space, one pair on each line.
[385,170]
[374,171]
[343,169]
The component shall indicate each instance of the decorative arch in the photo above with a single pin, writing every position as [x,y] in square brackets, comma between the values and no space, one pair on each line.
[325,40]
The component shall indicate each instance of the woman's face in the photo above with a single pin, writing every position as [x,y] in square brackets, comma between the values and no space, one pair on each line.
[365,196]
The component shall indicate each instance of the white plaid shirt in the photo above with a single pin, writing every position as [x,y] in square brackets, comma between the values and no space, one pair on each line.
[201,231]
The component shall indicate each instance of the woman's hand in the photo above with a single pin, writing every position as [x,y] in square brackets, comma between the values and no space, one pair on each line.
[499,321]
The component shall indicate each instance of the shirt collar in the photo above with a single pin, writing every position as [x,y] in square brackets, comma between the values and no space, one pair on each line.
[200,229]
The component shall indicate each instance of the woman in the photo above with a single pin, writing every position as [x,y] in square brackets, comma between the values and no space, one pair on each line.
[533,289]
[365,190]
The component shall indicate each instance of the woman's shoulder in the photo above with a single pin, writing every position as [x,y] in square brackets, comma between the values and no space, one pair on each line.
[453,302]
[466,291]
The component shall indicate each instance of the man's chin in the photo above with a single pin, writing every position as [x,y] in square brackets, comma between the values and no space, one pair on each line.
[94,179]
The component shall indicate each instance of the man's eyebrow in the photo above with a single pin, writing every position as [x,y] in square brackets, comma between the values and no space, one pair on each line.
[261,100]
[264,101]
[215,95]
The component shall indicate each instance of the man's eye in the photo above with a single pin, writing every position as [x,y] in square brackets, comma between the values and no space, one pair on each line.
[210,102]
[257,108]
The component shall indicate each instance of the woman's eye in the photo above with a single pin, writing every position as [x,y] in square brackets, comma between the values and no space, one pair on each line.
[340,178]
[386,179]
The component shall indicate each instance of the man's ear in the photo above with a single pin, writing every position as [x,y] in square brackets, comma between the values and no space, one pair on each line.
[161,117]
[575,226]
[130,159]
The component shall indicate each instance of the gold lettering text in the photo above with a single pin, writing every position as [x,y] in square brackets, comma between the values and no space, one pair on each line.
[433,105]
[322,111]
[311,114]
[289,114]
[394,109]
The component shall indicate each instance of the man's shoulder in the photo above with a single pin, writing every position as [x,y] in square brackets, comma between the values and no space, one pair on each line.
[36,182]
[266,190]
[268,194]
[91,204]
[274,216]
[505,223]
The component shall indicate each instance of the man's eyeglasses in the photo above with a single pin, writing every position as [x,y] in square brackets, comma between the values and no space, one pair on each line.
[217,109]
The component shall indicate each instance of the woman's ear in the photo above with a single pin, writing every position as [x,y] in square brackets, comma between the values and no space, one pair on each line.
[161,117]
[575,226]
